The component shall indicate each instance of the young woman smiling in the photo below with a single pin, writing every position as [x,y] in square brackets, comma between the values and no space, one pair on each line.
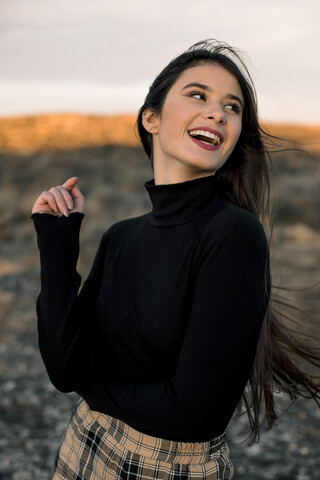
[175,318]
[205,98]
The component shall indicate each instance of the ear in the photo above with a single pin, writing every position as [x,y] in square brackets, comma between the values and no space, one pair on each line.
[150,121]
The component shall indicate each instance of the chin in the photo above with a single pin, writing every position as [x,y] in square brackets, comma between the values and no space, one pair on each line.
[208,168]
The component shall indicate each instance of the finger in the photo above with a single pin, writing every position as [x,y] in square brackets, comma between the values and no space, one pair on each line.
[59,198]
[76,194]
[45,202]
[67,196]
[70,183]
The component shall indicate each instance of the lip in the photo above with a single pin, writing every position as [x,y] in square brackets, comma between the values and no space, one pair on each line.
[208,129]
[204,145]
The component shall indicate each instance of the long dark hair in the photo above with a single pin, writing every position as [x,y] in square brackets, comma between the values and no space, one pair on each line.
[245,179]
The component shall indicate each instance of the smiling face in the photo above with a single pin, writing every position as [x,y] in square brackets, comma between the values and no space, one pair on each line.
[199,124]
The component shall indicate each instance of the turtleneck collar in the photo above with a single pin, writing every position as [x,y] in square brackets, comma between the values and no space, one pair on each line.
[178,203]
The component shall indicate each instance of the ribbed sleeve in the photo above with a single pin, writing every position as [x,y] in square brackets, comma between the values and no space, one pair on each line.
[65,320]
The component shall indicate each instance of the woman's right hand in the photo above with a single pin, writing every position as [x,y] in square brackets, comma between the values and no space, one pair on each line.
[61,200]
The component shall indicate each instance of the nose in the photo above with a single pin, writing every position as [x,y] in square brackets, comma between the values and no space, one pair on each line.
[216,113]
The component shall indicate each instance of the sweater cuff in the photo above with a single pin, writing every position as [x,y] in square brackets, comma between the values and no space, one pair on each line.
[47,223]
[53,231]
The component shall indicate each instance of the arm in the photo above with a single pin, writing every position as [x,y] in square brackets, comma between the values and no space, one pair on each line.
[228,307]
[64,318]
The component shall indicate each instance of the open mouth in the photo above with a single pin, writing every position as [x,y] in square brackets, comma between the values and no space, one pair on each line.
[205,137]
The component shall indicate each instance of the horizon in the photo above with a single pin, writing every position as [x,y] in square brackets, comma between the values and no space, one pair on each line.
[133,115]
[67,131]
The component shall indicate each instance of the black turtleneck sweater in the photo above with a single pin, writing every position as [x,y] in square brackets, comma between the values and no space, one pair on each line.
[164,331]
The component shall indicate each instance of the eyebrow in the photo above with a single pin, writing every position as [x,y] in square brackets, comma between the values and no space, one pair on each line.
[206,88]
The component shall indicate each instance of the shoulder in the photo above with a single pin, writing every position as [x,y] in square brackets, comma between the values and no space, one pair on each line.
[233,231]
[122,228]
[232,241]
[118,233]
[231,218]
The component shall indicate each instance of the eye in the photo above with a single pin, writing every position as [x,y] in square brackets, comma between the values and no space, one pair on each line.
[198,95]
[235,107]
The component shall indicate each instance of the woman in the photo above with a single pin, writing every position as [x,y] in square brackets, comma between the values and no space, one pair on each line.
[161,341]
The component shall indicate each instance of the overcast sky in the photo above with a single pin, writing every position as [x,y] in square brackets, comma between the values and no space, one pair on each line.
[100,56]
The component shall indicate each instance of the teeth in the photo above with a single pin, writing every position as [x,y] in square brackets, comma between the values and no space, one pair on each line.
[205,133]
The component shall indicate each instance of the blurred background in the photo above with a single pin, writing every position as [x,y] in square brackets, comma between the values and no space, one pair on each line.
[73,74]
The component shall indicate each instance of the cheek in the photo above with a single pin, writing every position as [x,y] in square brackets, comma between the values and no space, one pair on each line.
[170,131]
[166,136]
[236,132]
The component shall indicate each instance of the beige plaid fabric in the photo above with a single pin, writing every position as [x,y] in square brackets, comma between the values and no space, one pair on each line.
[100,447]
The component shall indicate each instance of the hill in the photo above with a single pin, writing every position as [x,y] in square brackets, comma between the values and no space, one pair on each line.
[69,131]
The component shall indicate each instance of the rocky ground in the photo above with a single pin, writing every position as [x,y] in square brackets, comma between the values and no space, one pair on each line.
[33,416]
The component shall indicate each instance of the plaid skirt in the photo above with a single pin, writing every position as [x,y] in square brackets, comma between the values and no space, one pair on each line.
[100,447]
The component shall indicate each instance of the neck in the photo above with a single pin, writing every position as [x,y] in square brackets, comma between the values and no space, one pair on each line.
[164,175]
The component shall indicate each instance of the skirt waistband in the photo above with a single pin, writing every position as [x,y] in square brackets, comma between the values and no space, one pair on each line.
[155,448]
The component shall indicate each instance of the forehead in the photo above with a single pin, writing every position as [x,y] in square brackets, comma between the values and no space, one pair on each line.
[212,75]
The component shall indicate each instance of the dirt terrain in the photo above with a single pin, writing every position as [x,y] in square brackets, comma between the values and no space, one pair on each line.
[33,415]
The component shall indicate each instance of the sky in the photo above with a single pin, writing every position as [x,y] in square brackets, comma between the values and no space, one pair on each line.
[100,56]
